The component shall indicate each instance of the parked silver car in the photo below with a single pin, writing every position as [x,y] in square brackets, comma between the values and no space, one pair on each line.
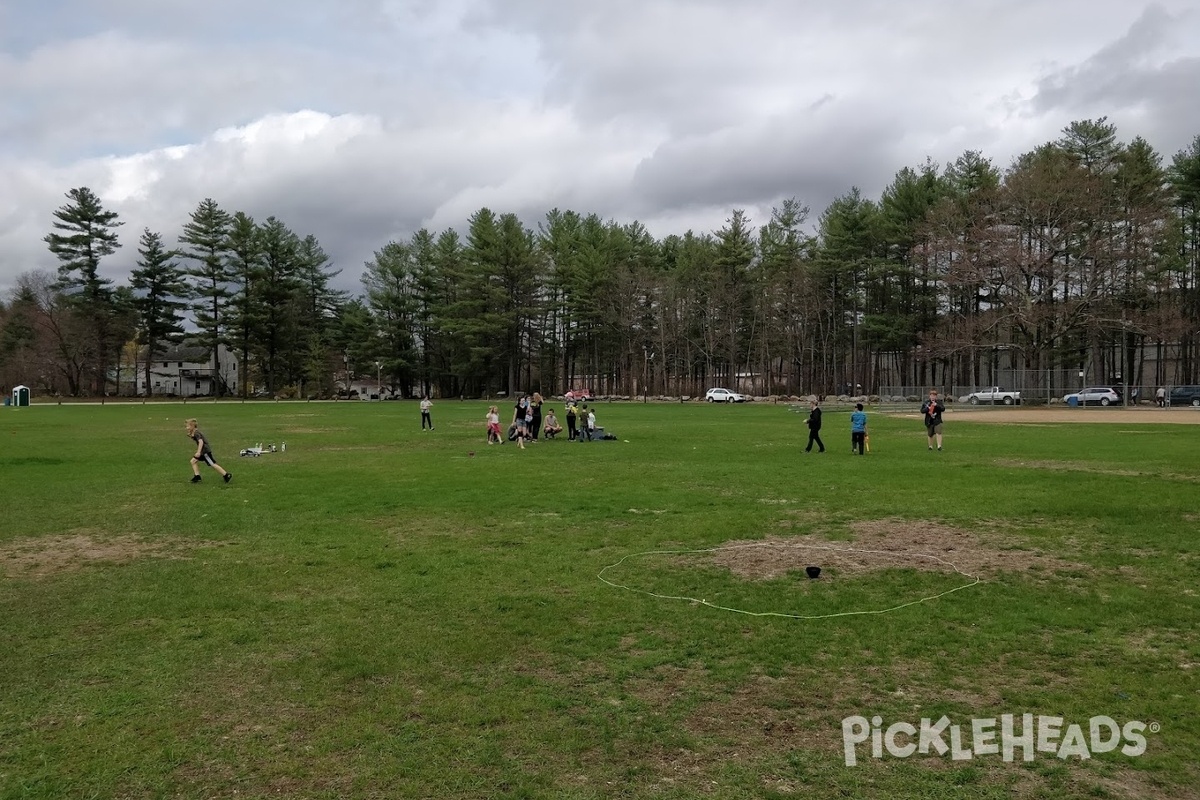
[1095,396]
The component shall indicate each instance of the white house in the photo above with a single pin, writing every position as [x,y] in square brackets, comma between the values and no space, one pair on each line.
[187,371]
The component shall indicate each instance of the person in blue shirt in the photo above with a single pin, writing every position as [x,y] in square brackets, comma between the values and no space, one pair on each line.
[858,429]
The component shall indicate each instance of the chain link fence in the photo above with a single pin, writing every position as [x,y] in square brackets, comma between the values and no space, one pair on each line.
[1043,393]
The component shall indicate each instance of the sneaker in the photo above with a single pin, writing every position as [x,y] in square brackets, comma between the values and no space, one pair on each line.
[931,447]
[195,479]
[939,449]
[228,477]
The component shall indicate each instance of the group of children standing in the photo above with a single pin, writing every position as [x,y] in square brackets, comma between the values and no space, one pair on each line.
[527,422]
[859,442]
[581,422]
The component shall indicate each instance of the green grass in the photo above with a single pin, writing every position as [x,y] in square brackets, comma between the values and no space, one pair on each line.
[377,613]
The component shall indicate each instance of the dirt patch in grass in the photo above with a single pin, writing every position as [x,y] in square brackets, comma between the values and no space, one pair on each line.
[1066,466]
[764,720]
[1095,469]
[46,556]
[885,544]
[255,739]
[1128,783]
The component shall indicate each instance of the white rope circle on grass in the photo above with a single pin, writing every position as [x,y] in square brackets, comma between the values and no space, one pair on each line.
[975,580]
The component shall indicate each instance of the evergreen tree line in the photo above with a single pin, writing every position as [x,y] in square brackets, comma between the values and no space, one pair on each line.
[1084,254]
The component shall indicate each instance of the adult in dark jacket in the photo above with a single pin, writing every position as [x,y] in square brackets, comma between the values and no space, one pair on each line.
[814,428]
[932,409]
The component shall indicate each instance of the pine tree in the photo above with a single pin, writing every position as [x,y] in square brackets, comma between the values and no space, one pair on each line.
[517,274]
[559,243]
[475,317]
[449,267]
[160,299]
[244,314]
[427,288]
[848,240]
[1185,180]
[782,249]
[276,295]
[205,237]
[391,295]
[354,336]
[18,333]
[316,307]
[84,234]
[735,257]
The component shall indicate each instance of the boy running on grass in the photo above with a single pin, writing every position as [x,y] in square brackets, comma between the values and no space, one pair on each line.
[203,454]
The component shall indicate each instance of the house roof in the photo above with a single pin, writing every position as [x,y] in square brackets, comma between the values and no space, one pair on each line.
[181,352]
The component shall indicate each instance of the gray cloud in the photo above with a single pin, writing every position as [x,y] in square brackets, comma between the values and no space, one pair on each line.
[813,154]
[362,120]
[1143,81]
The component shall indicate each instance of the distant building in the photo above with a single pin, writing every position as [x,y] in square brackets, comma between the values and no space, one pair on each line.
[184,370]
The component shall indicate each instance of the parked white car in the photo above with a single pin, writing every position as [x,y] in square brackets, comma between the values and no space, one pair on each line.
[723,396]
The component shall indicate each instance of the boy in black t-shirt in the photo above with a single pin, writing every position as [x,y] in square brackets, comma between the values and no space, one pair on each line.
[204,454]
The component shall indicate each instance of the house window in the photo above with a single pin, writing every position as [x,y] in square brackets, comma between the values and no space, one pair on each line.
[181,365]
[197,386]
[165,365]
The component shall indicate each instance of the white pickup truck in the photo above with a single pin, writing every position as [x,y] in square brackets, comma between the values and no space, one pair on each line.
[994,395]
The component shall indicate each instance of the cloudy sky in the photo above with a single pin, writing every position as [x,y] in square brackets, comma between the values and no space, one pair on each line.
[360,121]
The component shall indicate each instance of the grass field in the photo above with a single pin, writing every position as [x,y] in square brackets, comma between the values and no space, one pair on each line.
[379,613]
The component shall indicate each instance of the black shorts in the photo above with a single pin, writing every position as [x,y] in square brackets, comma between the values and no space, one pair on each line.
[205,458]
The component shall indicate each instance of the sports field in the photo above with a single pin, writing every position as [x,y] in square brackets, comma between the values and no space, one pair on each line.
[383,612]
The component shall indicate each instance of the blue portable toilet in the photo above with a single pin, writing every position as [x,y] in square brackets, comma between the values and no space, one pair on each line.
[20,396]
